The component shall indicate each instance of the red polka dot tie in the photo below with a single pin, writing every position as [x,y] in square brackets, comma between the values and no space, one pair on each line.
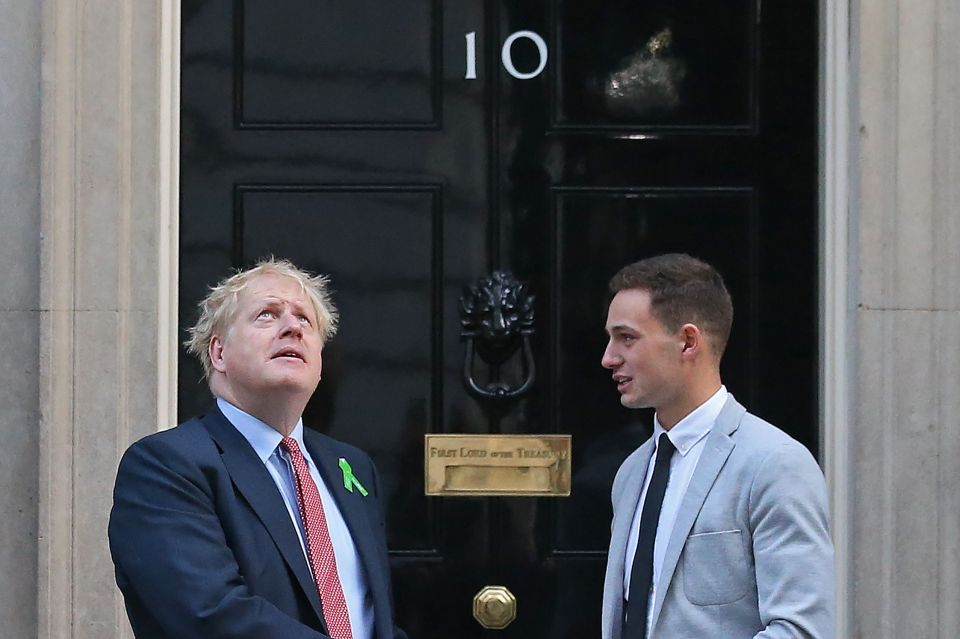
[323,563]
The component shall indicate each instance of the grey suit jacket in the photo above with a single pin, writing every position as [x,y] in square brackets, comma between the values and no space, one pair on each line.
[750,554]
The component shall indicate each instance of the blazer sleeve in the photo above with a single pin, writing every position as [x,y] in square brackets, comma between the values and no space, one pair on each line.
[178,575]
[793,552]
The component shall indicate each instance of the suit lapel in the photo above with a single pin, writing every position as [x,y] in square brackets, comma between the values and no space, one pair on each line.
[718,447]
[629,499]
[624,508]
[352,508]
[254,482]
[350,503]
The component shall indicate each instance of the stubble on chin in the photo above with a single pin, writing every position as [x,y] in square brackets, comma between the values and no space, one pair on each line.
[635,403]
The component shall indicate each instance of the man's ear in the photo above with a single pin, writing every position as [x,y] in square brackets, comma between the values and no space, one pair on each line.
[215,350]
[691,340]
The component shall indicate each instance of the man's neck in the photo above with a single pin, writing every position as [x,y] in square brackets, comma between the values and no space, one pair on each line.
[275,417]
[281,414]
[693,398]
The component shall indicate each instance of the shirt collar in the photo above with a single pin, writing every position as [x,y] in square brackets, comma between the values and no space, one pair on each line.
[695,426]
[262,437]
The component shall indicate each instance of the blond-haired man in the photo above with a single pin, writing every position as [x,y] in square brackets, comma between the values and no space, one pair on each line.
[240,523]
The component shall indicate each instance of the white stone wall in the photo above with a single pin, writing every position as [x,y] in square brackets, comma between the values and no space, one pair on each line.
[905,506]
[102,287]
[19,314]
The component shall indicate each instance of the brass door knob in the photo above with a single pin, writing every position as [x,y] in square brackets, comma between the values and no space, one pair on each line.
[494,607]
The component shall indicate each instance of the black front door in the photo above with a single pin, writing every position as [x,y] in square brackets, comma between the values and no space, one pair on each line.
[407,149]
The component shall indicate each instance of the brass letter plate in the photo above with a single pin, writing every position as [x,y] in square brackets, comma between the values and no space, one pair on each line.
[497,465]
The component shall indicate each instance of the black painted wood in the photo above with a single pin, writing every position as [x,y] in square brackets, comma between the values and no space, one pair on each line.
[345,136]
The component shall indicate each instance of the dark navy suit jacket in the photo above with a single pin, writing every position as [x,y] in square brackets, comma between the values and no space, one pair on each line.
[204,547]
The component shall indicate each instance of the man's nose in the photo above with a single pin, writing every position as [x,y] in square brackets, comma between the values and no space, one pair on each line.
[291,325]
[609,359]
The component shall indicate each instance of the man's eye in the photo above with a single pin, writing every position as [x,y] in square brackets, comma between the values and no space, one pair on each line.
[265,314]
[304,319]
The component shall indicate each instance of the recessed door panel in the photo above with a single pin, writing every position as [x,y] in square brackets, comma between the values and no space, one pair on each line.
[320,63]
[667,65]
[380,247]
[608,228]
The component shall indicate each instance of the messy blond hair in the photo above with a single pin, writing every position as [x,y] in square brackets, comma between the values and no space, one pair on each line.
[219,308]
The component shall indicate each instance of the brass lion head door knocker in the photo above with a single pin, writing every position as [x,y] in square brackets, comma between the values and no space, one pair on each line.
[496,320]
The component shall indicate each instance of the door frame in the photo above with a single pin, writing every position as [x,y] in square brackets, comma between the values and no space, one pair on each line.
[836,268]
[837,271]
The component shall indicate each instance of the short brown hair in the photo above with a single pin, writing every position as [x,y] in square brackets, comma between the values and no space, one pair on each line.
[682,290]
[219,308]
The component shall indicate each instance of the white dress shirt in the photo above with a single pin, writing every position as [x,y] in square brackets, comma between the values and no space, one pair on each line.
[688,436]
[265,440]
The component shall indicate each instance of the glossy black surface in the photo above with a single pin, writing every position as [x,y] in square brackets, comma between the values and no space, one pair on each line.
[656,65]
[344,136]
[370,55]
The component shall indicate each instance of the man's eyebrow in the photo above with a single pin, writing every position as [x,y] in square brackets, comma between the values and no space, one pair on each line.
[273,300]
[269,301]
[619,328]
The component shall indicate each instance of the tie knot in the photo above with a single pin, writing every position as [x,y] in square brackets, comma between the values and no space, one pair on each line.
[664,446]
[290,445]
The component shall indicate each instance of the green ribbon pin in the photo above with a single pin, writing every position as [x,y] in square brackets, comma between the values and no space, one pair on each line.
[349,479]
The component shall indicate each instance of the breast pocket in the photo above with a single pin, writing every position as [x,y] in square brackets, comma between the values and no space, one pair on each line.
[715,568]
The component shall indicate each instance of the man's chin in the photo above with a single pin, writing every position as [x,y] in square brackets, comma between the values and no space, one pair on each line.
[294,386]
[629,401]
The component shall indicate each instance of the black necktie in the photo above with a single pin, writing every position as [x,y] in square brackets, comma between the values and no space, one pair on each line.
[641,575]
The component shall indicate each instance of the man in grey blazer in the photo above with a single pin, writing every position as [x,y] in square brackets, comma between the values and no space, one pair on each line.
[720,519]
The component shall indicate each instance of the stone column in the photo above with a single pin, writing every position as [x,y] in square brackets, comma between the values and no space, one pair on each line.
[19,315]
[105,264]
[905,504]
